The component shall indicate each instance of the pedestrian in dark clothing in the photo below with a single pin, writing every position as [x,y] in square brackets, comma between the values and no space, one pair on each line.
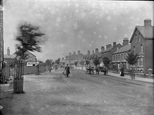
[105,70]
[97,70]
[67,69]
[122,71]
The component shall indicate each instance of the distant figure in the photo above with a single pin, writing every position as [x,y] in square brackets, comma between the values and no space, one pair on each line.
[122,71]
[105,70]
[49,68]
[97,70]
[67,69]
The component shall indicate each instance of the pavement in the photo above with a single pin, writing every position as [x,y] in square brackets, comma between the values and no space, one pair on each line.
[128,77]
[148,80]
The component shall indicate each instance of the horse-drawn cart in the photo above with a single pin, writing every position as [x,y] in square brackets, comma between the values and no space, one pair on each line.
[90,70]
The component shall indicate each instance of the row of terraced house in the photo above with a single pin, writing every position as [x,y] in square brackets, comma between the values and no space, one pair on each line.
[141,42]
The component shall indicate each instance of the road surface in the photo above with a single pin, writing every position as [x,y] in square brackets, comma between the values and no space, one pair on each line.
[80,94]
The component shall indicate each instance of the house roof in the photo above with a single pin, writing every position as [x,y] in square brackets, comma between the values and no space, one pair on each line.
[146,32]
[110,48]
[123,49]
[31,53]
[14,55]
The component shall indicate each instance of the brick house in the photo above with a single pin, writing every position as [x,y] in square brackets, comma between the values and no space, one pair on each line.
[142,43]
[72,58]
[118,57]
[110,49]
[8,57]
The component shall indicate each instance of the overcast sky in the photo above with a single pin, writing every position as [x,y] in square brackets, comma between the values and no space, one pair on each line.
[71,26]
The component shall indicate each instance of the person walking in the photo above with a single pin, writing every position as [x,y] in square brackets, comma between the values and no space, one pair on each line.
[67,70]
[122,71]
[97,70]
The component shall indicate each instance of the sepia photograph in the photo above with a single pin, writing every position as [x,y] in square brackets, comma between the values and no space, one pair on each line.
[76,57]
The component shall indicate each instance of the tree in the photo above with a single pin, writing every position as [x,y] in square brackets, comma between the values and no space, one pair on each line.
[82,63]
[132,58]
[96,61]
[57,61]
[87,62]
[29,38]
[106,61]
[48,62]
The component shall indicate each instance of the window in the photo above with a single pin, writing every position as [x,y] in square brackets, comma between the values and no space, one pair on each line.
[139,38]
[141,48]
[134,48]
[141,59]
[138,61]
[123,56]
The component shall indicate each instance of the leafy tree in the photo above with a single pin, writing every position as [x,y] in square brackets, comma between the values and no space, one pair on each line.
[48,62]
[87,62]
[82,62]
[57,61]
[96,61]
[106,61]
[132,58]
[29,38]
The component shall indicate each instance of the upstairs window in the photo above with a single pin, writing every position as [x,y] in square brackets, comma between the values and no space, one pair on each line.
[134,48]
[141,48]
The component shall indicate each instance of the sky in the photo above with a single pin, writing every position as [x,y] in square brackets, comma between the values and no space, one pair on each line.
[72,25]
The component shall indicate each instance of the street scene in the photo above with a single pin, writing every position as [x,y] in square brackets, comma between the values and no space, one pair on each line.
[75,57]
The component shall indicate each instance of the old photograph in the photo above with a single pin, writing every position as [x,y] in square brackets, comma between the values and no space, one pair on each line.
[76,57]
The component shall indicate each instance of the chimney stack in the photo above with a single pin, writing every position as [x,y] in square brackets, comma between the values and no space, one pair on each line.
[96,50]
[93,51]
[8,51]
[102,48]
[88,52]
[147,22]
[125,41]
[114,44]
[78,51]
[108,46]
